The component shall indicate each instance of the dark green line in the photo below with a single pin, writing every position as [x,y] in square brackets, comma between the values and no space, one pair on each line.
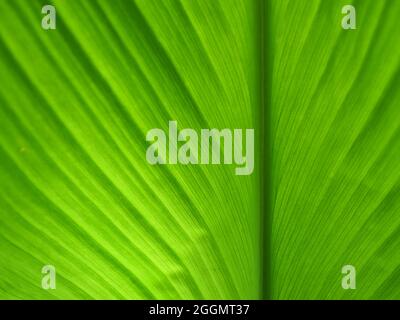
[266,144]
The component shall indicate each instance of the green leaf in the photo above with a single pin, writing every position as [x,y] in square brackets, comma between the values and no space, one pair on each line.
[77,193]
[335,131]
[76,189]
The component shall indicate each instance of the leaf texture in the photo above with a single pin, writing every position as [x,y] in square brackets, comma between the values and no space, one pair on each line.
[77,192]
[335,132]
[76,189]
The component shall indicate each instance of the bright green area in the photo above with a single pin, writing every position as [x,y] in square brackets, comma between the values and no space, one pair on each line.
[76,191]
[335,123]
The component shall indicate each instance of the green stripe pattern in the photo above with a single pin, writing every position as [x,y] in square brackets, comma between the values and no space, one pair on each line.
[76,191]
